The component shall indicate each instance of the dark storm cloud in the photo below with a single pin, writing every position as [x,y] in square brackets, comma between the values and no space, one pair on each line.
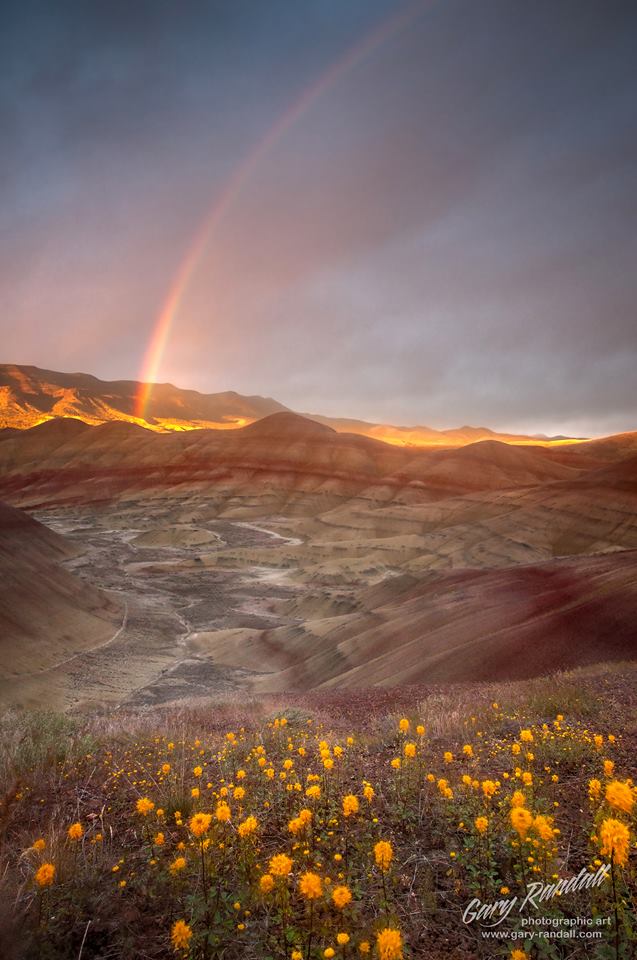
[445,235]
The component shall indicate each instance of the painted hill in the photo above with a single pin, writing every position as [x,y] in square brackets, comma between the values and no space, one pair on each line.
[489,464]
[401,563]
[287,464]
[271,462]
[30,396]
[46,613]
[466,625]
[359,503]
[378,563]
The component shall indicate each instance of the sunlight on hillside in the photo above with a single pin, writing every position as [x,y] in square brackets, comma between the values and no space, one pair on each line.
[26,418]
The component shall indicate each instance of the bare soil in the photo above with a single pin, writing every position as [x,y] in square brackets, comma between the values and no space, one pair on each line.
[169,593]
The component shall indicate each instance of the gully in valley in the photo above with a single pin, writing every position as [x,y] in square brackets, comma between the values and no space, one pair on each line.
[169,574]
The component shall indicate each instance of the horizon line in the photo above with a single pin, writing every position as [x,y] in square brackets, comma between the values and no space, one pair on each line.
[536,434]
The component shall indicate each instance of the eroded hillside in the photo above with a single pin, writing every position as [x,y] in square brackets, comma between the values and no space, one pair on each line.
[285,555]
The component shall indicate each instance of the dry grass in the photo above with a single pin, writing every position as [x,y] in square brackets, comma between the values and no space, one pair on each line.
[59,769]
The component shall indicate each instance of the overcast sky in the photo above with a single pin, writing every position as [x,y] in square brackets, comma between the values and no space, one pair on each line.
[445,234]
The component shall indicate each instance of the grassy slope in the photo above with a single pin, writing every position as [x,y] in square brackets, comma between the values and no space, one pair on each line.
[57,770]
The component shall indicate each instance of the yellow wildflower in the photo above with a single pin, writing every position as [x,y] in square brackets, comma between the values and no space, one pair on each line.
[45,875]
[199,824]
[389,944]
[180,935]
[350,805]
[266,883]
[341,896]
[310,885]
[280,865]
[521,820]
[615,840]
[489,788]
[543,828]
[383,855]
[620,796]
[247,827]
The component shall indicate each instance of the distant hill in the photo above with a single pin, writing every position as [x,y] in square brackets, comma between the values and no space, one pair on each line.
[282,461]
[30,396]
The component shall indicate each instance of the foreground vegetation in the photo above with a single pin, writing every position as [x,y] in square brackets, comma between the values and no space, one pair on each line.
[377,824]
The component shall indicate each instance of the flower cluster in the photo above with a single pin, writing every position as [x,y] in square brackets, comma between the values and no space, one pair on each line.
[287,840]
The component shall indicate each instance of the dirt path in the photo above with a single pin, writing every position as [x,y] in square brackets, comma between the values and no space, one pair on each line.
[83,653]
[289,541]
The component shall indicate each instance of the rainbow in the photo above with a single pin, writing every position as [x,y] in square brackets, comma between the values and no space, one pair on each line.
[174,297]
